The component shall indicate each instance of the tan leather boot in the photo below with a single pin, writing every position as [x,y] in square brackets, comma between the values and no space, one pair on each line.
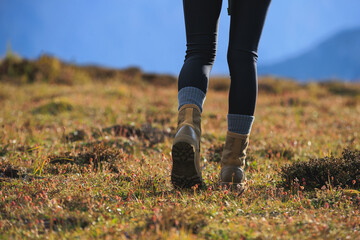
[186,169]
[233,161]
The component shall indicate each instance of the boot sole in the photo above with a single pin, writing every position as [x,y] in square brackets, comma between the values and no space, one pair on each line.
[184,174]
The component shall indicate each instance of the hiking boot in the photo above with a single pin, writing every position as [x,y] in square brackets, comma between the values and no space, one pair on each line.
[186,169]
[233,161]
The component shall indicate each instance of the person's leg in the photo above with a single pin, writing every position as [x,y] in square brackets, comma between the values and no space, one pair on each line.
[201,22]
[247,21]
[201,19]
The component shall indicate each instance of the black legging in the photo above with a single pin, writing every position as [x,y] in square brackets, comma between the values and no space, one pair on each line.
[201,22]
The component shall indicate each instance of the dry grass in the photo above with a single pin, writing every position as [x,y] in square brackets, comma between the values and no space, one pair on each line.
[101,169]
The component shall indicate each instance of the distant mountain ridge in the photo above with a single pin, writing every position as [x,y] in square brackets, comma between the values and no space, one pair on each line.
[338,57]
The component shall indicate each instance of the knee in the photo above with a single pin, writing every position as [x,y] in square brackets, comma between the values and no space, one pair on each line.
[205,54]
[236,57]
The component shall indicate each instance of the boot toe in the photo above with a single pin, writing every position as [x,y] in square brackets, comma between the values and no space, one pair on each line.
[233,177]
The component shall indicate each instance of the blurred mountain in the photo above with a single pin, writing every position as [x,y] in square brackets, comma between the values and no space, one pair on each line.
[335,58]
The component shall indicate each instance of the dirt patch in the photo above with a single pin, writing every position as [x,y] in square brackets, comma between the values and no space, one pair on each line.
[98,156]
[148,134]
[10,171]
[124,145]
[77,135]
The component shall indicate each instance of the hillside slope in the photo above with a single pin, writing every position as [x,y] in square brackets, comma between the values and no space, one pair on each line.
[336,57]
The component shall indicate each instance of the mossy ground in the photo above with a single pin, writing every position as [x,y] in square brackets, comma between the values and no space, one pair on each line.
[92,160]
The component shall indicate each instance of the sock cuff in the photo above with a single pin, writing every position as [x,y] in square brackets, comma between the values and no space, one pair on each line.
[191,95]
[240,123]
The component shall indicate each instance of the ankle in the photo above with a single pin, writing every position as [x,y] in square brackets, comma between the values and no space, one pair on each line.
[240,124]
[191,95]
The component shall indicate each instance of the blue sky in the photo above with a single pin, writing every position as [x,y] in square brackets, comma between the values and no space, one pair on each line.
[151,33]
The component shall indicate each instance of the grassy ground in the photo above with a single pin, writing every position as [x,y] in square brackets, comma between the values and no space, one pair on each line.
[93,160]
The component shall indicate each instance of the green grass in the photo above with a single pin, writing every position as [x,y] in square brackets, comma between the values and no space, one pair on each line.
[92,160]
